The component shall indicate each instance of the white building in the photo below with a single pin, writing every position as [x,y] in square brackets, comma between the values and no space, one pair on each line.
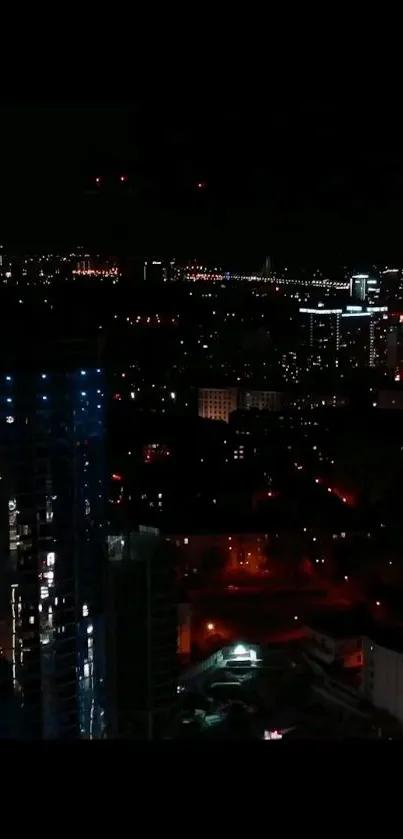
[261,400]
[329,642]
[382,675]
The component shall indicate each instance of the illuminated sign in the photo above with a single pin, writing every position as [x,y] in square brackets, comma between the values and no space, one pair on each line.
[321,311]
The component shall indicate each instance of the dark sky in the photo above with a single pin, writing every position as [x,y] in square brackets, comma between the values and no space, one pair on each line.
[317,180]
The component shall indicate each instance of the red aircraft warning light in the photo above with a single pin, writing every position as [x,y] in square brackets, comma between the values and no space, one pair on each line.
[201,185]
[123,178]
[116,477]
[98,180]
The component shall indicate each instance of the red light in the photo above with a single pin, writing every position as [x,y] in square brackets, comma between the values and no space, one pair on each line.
[117,396]
[98,180]
[201,185]
[269,494]
[116,477]
[123,178]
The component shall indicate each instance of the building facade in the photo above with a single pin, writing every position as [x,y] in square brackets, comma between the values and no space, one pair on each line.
[142,635]
[218,404]
[362,287]
[330,646]
[345,338]
[382,675]
[260,400]
[236,552]
[52,464]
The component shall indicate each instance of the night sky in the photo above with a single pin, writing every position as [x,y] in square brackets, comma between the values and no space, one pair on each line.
[304,180]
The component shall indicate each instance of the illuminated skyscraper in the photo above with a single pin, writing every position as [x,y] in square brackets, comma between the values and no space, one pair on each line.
[358,286]
[363,287]
[350,337]
[52,435]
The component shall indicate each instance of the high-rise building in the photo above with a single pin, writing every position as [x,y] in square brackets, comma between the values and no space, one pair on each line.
[350,337]
[52,466]
[155,271]
[363,287]
[392,284]
[394,348]
[142,635]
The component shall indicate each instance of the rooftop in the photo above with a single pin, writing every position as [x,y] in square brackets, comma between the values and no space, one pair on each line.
[340,625]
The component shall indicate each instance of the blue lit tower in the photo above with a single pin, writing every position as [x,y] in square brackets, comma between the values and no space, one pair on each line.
[52,464]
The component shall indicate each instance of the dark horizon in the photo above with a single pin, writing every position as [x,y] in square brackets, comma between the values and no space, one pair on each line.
[318,183]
